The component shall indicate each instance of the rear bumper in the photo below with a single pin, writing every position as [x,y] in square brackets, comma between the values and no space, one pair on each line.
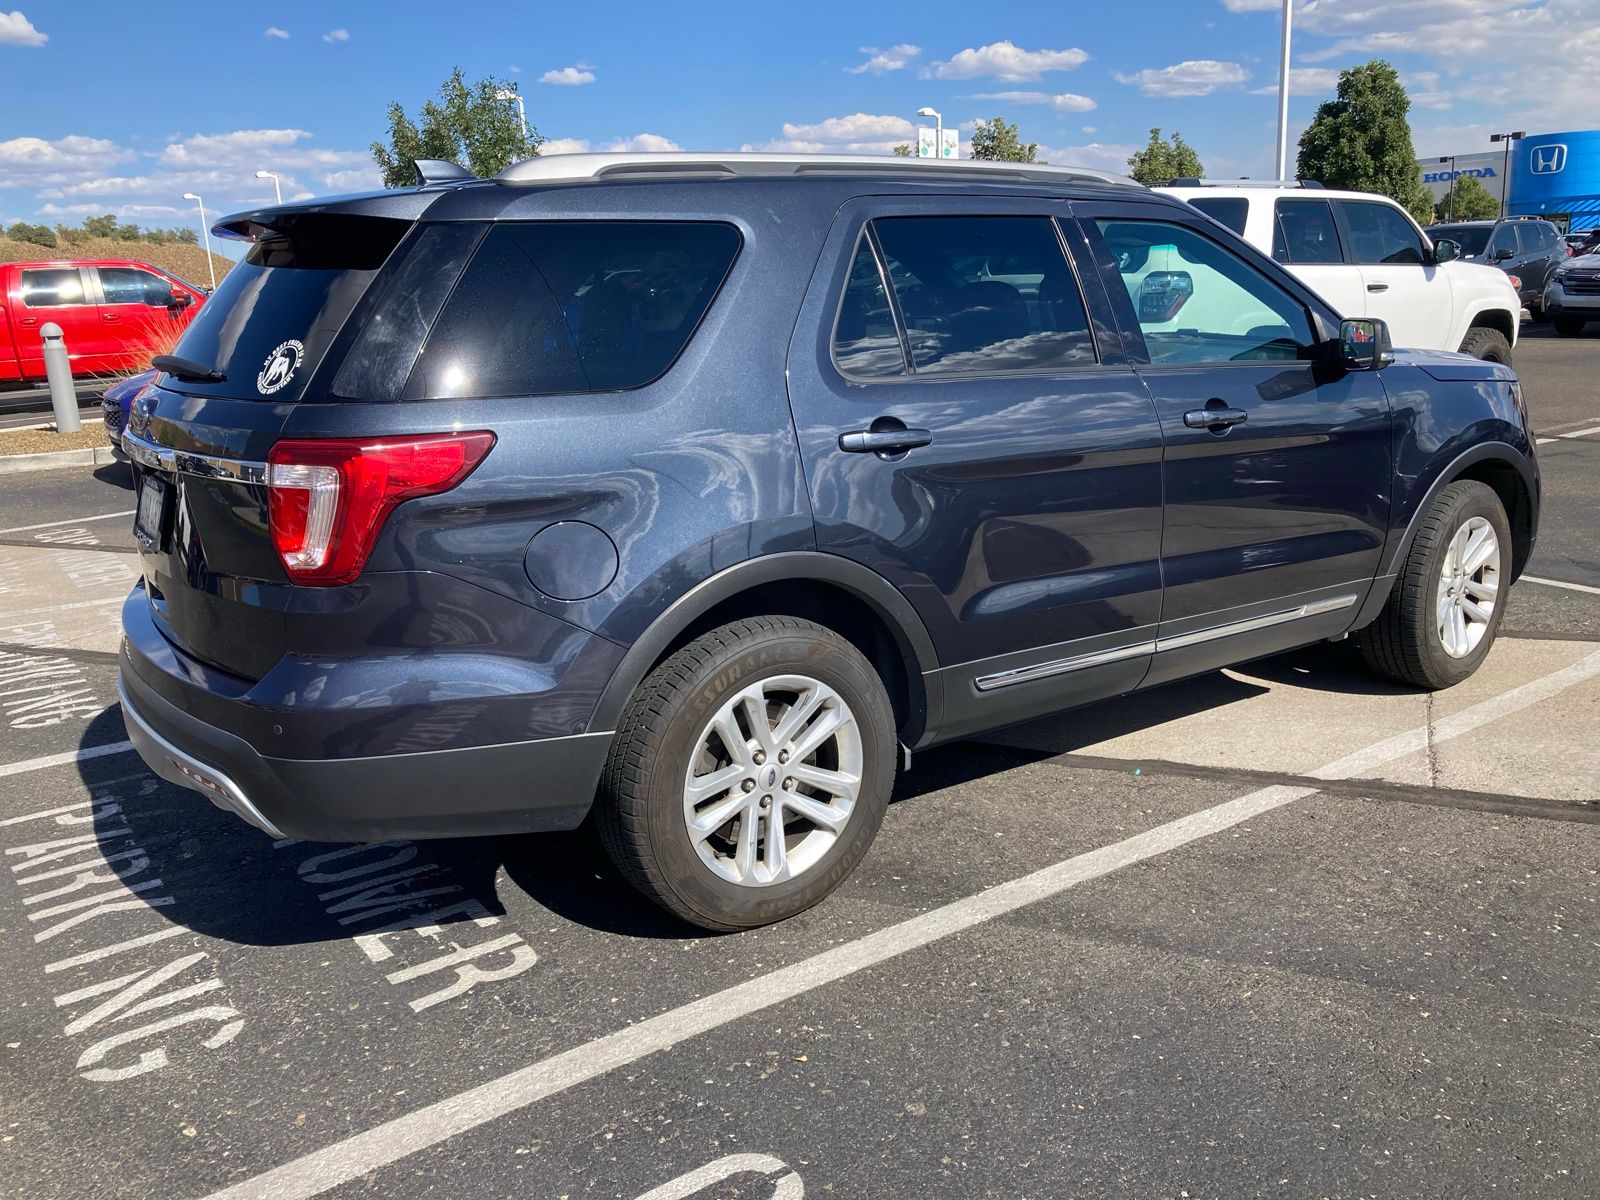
[518,787]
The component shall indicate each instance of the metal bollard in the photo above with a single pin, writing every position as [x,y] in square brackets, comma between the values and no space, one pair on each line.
[58,370]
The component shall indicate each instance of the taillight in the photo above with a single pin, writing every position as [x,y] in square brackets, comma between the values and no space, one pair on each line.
[328,497]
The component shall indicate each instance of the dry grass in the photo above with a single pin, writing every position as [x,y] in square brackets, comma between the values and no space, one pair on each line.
[41,441]
[186,262]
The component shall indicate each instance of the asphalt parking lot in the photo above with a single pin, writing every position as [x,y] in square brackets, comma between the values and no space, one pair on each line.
[1284,930]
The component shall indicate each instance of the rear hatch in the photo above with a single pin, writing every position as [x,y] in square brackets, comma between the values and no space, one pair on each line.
[272,337]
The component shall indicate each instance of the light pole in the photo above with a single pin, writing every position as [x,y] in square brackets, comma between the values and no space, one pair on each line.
[1283,84]
[1505,168]
[205,236]
[938,129]
[277,188]
[1451,202]
[522,113]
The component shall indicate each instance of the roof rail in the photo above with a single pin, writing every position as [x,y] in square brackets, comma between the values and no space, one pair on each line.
[439,170]
[1193,181]
[575,168]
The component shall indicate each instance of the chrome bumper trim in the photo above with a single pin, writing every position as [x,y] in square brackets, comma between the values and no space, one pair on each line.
[164,458]
[175,766]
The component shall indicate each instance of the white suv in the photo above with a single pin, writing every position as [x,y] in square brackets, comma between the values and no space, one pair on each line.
[1367,257]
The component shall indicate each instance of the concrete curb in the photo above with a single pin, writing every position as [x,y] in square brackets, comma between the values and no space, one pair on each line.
[87,456]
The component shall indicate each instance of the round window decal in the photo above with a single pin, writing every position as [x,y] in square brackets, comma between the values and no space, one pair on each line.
[279,367]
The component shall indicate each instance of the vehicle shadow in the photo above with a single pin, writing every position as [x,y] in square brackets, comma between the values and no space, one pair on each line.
[234,883]
[117,474]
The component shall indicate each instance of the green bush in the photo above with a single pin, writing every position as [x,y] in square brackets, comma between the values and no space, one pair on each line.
[34,235]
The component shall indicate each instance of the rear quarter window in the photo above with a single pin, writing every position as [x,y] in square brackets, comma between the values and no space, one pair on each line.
[550,307]
[1225,210]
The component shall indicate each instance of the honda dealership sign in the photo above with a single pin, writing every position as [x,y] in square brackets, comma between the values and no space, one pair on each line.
[1544,174]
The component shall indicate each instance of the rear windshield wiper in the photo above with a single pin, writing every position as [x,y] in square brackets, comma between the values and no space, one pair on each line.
[187,369]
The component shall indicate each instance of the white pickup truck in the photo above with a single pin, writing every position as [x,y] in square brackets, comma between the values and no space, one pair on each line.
[1367,257]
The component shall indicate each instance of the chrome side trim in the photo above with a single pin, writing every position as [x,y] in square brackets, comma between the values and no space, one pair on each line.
[209,466]
[1061,666]
[1314,608]
[187,771]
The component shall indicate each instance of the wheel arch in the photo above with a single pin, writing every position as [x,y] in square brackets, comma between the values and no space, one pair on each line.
[847,597]
[1502,320]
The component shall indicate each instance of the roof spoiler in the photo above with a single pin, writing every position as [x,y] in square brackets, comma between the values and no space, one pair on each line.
[439,170]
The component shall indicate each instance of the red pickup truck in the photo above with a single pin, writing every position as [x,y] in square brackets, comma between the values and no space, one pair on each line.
[114,314]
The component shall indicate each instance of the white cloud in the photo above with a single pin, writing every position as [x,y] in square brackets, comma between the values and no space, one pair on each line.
[17,30]
[336,35]
[1099,156]
[272,31]
[35,162]
[1062,102]
[880,61]
[355,179]
[1303,80]
[651,142]
[1006,62]
[564,146]
[1192,77]
[568,77]
[857,127]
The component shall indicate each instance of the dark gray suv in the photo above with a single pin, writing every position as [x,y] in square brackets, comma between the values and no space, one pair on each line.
[1526,249]
[699,492]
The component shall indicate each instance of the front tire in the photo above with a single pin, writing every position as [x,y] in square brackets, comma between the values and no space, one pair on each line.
[1447,604]
[749,774]
[1570,326]
[1488,344]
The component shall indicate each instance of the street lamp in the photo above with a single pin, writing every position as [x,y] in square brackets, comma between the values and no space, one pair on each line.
[1451,202]
[205,236]
[938,127]
[277,188]
[1283,84]
[522,113]
[1505,168]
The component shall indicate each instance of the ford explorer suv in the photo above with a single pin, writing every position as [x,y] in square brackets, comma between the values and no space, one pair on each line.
[1526,249]
[114,314]
[1367,257]
[699,493]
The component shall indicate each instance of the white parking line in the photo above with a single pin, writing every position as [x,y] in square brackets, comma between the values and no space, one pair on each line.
[62,759]
[68,521]
[323,1170]
[1583,432]
[1561,583]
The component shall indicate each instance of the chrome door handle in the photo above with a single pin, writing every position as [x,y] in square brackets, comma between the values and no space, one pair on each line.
[1208,418]
[1377,287]
[883,441]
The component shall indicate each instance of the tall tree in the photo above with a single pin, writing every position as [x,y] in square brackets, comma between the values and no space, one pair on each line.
[468,124]
[997,139]
[1361,140]
[1467,200]
[1162,161]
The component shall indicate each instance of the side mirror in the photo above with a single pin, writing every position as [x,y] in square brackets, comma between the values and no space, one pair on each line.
[1499,255]
[1446,250]
[1364,344]
[179,299]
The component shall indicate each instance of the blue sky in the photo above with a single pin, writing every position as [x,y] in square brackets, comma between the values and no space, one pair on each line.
[109,112]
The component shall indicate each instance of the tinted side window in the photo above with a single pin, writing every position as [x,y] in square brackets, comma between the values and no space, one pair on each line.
[573,306]
[56,287]
[984,294]
[1228,210]
[1504,239]
[1304,232]
[865,341]
[129,285]
[1198,302]
[1381,234]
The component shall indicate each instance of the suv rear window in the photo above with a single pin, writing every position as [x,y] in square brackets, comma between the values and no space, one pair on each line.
[573,306]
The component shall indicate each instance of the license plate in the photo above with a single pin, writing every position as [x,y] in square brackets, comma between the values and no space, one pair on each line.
[150,521]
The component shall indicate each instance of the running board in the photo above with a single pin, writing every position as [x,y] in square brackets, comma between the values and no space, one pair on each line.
[1061,666]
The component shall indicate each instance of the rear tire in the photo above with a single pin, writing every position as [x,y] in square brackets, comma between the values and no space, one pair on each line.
[769,721]
[1444,613]
[1488,344]
[1570,326]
